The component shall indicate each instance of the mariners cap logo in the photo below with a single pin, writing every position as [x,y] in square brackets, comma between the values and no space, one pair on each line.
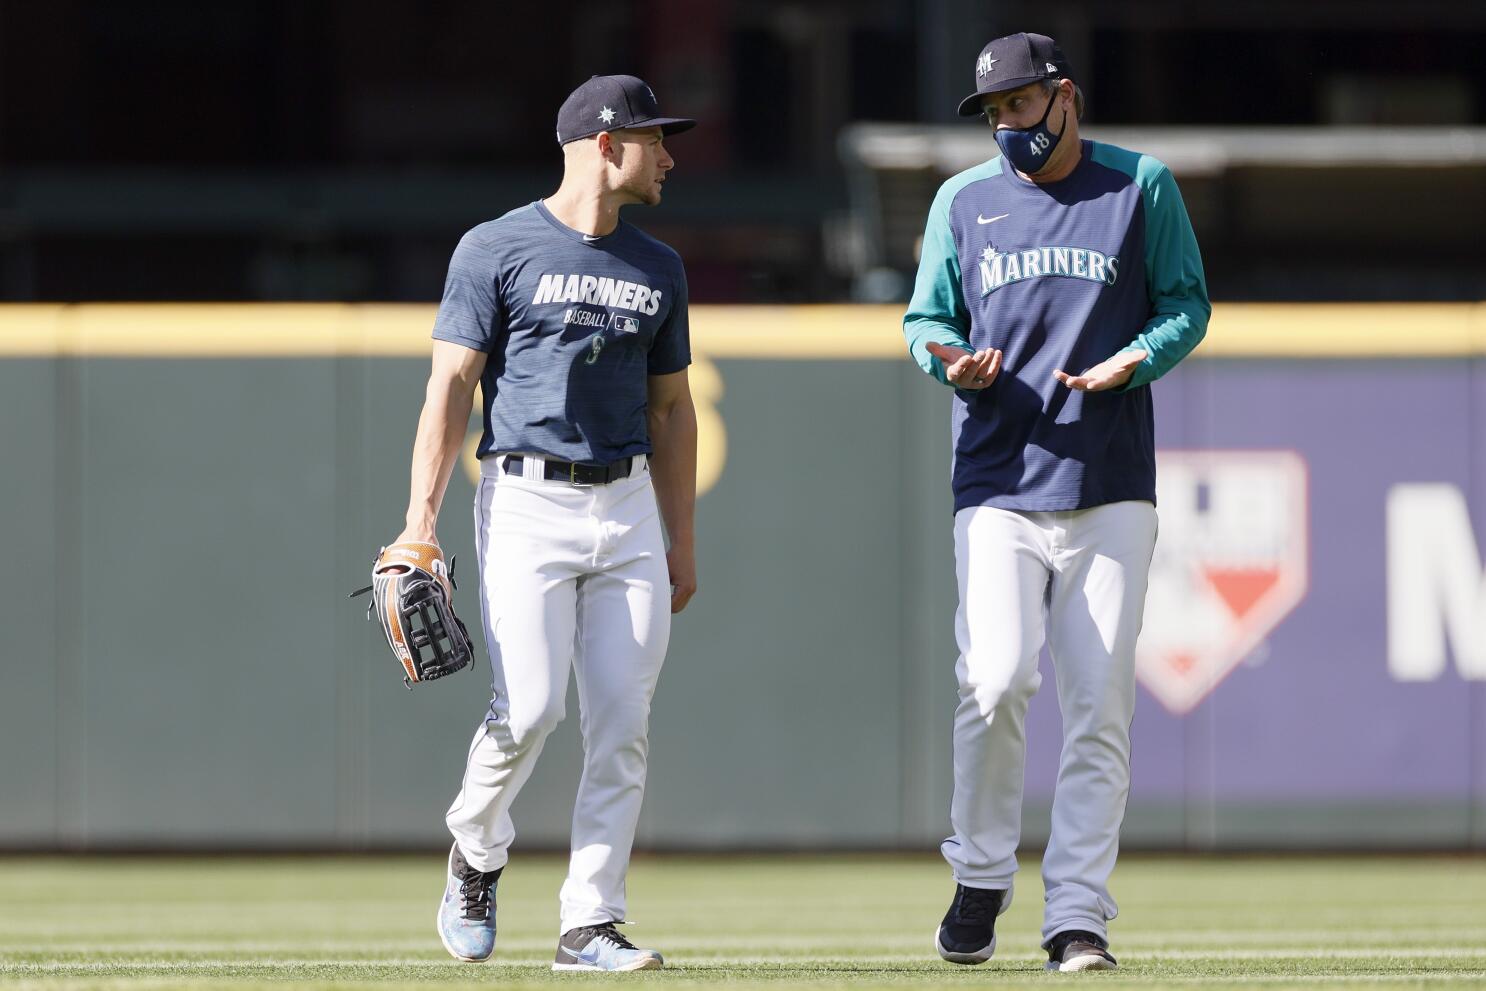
[984,63]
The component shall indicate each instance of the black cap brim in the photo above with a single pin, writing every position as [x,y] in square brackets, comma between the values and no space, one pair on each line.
[970,105]
[667,125]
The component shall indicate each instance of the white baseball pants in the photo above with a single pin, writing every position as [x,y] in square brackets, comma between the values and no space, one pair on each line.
[570,577]
[1078,580]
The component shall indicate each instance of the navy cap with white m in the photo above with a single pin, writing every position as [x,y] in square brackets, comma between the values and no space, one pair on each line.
[608,103]
[1011,63]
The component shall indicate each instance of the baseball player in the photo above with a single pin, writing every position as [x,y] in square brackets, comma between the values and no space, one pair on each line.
[1057,281]
[574,324]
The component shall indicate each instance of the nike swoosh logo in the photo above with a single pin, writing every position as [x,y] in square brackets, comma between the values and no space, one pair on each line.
[990,220]
[590,238]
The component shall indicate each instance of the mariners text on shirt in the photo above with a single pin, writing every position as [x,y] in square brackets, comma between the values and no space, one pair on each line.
[599,290]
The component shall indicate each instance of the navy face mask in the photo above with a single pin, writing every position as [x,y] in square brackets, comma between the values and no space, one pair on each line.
[1029,148]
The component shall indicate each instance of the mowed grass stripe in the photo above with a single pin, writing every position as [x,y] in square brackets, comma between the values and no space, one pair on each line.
[1175,945]
[825,976]
[851,922]
[124,962]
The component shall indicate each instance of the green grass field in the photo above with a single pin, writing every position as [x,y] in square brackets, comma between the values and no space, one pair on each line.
[853,922]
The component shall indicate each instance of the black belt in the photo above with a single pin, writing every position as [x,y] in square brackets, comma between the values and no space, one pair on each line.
[573,472]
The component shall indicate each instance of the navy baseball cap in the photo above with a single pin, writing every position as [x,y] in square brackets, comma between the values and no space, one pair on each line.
[1012,62]
[608,103]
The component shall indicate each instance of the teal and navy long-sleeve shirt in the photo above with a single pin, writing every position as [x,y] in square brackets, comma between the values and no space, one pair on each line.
[1059,275]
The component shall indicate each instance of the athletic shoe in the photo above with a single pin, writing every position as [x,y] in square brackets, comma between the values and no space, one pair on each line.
[467,913]
[968,932]
[1075,949]
[602,948]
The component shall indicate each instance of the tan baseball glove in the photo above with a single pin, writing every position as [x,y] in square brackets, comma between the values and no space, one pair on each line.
[412,596]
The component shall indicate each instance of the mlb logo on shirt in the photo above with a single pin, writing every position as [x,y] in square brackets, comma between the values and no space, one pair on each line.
[626,325]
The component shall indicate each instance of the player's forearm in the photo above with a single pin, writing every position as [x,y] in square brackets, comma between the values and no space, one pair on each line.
[673,468]
[1168,338]
[936,312]
[441,430]
[1175,282]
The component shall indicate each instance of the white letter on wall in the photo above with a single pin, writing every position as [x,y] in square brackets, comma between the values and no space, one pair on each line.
[1436,590]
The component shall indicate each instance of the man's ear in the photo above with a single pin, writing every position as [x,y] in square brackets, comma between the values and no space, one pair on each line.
[608,147]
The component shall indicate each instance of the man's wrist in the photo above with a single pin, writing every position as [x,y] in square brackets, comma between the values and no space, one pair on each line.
[421,528]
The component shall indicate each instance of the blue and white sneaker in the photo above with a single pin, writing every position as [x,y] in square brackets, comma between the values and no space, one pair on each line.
[467,913]
[602,948]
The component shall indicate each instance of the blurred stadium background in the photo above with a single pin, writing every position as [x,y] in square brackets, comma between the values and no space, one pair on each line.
[224,225]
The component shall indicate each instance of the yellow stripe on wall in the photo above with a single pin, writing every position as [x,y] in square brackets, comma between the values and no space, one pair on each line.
[1347,330]
[843,332]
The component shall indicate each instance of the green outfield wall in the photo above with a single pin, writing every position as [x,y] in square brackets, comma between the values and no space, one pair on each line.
[190,491]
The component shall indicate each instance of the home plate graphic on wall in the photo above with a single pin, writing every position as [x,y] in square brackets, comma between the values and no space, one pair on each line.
[1231,562]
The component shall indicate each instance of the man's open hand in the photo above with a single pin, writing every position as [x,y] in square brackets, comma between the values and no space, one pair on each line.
[1108,374]
[967,369]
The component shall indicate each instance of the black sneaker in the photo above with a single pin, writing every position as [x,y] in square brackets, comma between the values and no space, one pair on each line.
[1075,949]
[602,947]
[968,932]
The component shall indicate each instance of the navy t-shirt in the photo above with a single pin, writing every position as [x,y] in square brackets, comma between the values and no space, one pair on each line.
[574,324]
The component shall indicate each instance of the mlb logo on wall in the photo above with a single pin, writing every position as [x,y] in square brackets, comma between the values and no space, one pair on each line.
[1230,564]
